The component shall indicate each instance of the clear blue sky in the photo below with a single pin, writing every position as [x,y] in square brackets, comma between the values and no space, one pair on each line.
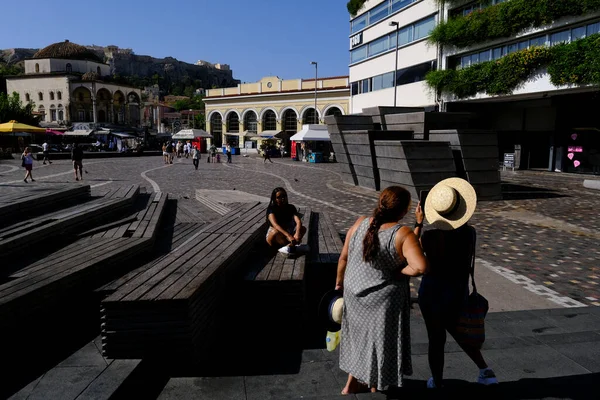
[256,37]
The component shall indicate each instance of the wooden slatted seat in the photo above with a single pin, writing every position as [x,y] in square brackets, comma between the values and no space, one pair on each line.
[170,307]
[78,268]
[23,235]
[18,206]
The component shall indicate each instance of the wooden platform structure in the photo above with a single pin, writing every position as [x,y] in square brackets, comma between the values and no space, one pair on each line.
[170,308]
[81,266]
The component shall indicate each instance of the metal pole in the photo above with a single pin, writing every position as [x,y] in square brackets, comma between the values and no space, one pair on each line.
[396,67]
[316,77]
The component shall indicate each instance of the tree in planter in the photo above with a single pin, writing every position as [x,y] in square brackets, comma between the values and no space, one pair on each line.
[268,144]
[11,108]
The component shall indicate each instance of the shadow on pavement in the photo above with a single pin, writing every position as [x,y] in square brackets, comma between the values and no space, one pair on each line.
[575,387]
[511,191]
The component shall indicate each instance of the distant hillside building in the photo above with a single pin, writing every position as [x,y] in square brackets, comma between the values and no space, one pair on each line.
[66,82]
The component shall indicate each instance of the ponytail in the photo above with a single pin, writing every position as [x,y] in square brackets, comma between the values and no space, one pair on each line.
[371,240]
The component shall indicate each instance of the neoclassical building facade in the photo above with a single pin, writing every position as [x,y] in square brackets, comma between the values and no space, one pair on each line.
[69,83]
[272,106]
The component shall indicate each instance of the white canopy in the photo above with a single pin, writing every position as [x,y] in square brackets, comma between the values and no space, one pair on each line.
[189,134]
[124,135]
[79,133]
[312,132]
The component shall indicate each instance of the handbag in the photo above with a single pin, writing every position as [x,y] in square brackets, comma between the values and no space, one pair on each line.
[471,322]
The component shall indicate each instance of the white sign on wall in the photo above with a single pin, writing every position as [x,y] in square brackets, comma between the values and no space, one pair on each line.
[356,40]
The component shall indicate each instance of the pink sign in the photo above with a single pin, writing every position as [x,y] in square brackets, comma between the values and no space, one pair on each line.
[575,149]
[576,163]
[570,155]
[574,136]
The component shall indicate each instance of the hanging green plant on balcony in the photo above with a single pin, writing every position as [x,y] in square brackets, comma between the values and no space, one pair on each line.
[497,77]
[354,6]
[507,19]
[576,63]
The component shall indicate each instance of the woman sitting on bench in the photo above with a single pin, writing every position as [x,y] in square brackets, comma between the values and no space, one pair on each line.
[285,230]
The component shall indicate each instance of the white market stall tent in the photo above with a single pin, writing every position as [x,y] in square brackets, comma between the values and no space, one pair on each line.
[190,134]
[312,132]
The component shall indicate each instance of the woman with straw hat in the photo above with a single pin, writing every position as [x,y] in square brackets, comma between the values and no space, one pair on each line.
[377,260]
[444,289]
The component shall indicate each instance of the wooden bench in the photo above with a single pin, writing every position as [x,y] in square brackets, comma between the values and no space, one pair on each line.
[170,308]
[17,206]
[22,236]
[77,268]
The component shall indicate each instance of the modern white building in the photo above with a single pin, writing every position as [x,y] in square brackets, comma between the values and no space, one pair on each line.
[69,83]
[551,126]
[374,32]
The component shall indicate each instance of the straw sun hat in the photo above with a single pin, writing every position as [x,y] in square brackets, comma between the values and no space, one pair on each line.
[450,204]
[331,309]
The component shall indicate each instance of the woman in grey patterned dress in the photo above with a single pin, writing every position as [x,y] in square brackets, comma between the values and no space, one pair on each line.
[378,258]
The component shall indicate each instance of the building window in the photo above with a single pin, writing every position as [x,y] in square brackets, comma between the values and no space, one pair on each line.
[37,67]
[415,73]
[69,67]
[40,96]
[406,35]
[27,97]
[250,122]
[269,122]
[59,95]
[80,96]
[233,123]
[290,121]
[378,13]
[42,113]
[81,115]
[52,115]
[354,88]
[310,117]
[333,111]
[60,115]
[216,129]
[51,95]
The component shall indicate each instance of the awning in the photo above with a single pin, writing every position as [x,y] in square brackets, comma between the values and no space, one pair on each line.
[189,134]
[312,132]
[53,132]
[14,126]
[261,135]
[123,135]
[79,133]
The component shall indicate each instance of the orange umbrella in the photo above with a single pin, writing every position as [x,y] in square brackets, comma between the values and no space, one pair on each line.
[14,126]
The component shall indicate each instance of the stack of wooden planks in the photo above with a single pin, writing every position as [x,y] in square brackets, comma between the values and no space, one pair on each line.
[23,235]
[77,268]
[171,307]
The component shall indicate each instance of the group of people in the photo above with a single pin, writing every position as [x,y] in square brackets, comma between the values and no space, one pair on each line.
[76,159]
[180,149]
[379,257]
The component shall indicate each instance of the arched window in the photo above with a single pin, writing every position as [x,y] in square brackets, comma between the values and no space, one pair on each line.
[69,67]
[27,97]
[59,95]
[290,121]
[61,113]
[269,121]
[233,123]
[40,96]
[42,113]
[51,95]
[216,129]
[37,67]
[80,96]
[334,111]
[250,122]
[99,71]
[310,117]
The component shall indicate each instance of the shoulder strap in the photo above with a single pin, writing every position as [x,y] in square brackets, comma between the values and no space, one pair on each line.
[473,260]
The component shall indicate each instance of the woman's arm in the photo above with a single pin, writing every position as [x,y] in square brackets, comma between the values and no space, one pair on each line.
[298,222]
[419,218]
[409,247]
[278,227]
[342,262]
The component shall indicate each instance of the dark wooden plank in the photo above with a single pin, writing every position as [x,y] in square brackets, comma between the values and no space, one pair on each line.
[157,217]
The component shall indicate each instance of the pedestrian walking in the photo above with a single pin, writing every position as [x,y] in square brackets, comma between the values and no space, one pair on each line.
[77,158]
[165,153]
[196,157]
[377,260]
[27,163]
[45,151]
[213,153]
[228,152]
[444,290]
[170,153]
[267,155]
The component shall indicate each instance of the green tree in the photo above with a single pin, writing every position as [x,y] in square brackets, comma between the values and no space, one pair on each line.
[11,108]
[200,121]
[189,91]
[7,70]
[182,105]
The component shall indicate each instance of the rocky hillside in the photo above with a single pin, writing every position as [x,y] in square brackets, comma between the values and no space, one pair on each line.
[172,75]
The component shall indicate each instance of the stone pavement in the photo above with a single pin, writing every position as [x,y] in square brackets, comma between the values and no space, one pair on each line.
[538,248]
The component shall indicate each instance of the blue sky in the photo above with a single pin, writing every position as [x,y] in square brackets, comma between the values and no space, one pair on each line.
[257,38]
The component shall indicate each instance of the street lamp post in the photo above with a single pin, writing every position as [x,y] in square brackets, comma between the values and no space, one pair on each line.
[316,77]
[397,25]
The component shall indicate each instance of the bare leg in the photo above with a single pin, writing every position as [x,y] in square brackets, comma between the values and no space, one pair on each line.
[354,386]
[277,239]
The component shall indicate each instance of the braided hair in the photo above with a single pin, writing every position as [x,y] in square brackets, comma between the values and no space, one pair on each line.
[393,202]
